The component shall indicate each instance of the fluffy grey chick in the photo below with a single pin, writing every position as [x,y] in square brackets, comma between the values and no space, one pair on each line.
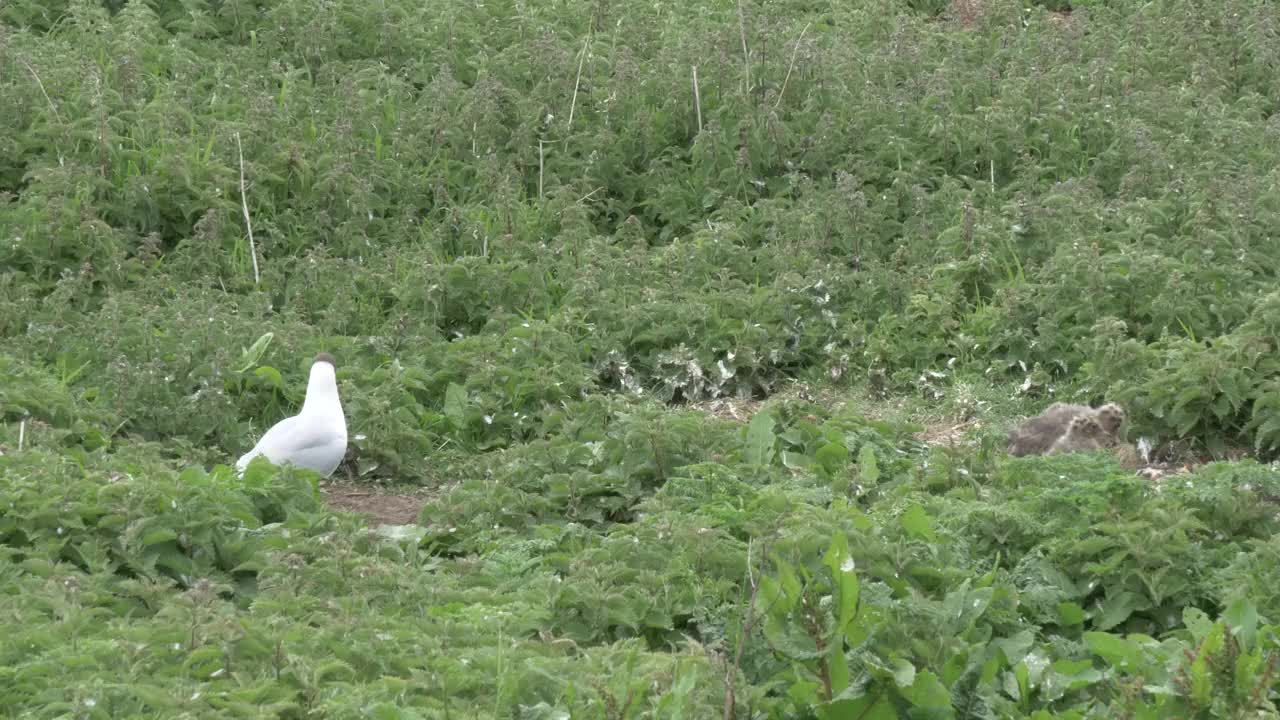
[1037,435]
[1084,433]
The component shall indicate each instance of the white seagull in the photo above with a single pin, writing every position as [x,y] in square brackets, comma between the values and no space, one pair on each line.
[315,438]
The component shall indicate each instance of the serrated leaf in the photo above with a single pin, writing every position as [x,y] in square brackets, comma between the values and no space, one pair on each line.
[157,536]
[1268,435]
[917,522]
[156,698]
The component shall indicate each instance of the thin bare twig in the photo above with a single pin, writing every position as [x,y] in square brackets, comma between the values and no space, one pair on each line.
[582,199]
[731,672]
[22,434]
[794,51]
[697,98]
[44,92]
[587,197]
[539,168]
[244,205]
[746,57]
[573,104]
[52,108]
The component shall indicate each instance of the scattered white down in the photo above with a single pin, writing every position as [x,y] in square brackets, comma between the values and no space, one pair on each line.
[316,437]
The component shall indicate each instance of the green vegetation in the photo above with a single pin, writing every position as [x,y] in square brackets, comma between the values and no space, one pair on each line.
[539,247]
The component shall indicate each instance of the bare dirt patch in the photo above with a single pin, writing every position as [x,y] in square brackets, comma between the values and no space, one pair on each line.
[742,410]
[729,408]
[947,432]
[380,504]
[966,12]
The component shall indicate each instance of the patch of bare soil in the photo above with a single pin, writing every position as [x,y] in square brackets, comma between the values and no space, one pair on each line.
[1062,18]
[966,12]
[1159,473]
[729,408]
[379,504]
[946,432]
[742,410]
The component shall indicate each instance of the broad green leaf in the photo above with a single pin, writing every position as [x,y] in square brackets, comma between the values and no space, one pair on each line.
[845,580]
[1070,614]
[455,402]
[1214,640]
[1016,647]
[250,356]
[928,692]
[832,457]
[1249,666]
[1066,676]
[1201,680]
[1196,621]
[795,461]
[760,440]
[271,375]
[904,673]
[1114,649]
[412,533]
[838,665]
[868,471]
[1117,608]
[875,706]
[1242,616]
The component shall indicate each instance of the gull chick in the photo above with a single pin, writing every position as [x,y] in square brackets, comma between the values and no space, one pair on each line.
[315,438]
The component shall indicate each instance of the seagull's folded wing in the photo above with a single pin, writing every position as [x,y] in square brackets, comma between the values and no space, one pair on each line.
[303,443]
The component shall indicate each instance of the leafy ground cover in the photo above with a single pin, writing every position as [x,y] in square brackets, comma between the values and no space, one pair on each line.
[676,342]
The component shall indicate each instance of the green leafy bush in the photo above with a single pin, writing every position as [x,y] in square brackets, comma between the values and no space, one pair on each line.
[548,243]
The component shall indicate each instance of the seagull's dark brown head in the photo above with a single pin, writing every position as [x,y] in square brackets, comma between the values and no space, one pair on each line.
[326,357]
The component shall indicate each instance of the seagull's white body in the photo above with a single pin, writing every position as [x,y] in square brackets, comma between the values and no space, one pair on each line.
[315,438]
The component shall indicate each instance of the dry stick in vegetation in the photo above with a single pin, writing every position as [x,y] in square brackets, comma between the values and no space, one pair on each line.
[573,104]
[52,108]
[244,205]
[746,57]
[794,51]
[731,672]
[44,92]
[22,434]
[697,98]
[539,169]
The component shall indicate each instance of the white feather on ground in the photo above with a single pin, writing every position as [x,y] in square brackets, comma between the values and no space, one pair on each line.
[315,438]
